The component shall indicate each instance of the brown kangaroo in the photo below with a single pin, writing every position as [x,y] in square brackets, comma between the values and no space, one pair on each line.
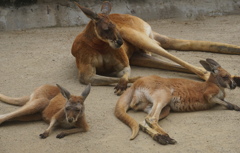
[157,96]
[53,104]
[109,43]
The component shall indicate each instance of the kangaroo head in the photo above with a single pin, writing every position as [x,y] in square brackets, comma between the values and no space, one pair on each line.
[74,107]
[104,28]
[218,75]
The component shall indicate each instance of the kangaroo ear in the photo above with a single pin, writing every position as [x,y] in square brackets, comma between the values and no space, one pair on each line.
[205,65]
[106,8]
[89,13]
[210,65]
[86,91]
[64,92]
[213,63]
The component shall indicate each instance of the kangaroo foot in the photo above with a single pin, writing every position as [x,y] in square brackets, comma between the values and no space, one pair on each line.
[160,138]
[164,139]
[44,135]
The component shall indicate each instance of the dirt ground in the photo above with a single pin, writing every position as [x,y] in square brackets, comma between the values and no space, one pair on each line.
[34,57]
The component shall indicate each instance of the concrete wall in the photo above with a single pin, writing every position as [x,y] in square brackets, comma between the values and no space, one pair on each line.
[25,14]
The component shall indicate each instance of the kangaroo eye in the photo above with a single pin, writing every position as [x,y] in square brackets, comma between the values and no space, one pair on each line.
[137,104]
[225,77]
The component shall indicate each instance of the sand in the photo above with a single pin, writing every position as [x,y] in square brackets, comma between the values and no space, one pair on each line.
[30,58]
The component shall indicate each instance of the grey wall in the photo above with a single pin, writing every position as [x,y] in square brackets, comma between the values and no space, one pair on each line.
[25,14]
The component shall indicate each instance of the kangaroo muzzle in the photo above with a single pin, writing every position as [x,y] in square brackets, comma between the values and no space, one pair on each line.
[233,84]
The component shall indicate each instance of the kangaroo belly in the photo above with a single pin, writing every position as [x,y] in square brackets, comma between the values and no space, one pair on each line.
[109,65]
[183,105]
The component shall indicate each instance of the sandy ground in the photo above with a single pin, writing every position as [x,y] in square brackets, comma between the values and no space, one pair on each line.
[42,56]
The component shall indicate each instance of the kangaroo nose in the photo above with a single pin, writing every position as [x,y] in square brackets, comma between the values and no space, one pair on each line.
[233,85]
[70,120]
[119,42]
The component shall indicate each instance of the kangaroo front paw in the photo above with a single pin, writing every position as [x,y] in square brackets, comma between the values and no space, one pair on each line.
[120,87]
[61,135]
[44,135]
[232,107]
[164,139]
[236,108]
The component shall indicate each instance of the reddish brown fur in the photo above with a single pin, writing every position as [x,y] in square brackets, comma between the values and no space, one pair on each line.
[111,42]
[52,105]
[157,96]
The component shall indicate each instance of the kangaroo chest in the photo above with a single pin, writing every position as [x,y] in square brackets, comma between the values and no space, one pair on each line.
[110,64]
[65,124]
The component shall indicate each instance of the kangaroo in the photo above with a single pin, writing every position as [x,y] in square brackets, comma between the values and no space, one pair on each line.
[158,96]
[110,43]
[53,104]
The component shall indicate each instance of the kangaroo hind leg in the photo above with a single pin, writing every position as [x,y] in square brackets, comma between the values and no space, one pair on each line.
[145,43]
[27,118]
[160,99]
[159,110]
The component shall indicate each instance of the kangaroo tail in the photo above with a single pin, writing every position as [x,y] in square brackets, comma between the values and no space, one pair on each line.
[14,101]
[121,108]
[192,45]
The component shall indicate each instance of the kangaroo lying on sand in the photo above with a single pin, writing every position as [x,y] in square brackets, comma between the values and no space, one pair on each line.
[157,96]
[108,45]
[53,104]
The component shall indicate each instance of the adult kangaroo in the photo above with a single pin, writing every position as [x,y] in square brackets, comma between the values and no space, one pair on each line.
[110,43]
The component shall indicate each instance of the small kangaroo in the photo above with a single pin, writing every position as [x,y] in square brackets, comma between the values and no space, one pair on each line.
[53,104]
[157,96]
